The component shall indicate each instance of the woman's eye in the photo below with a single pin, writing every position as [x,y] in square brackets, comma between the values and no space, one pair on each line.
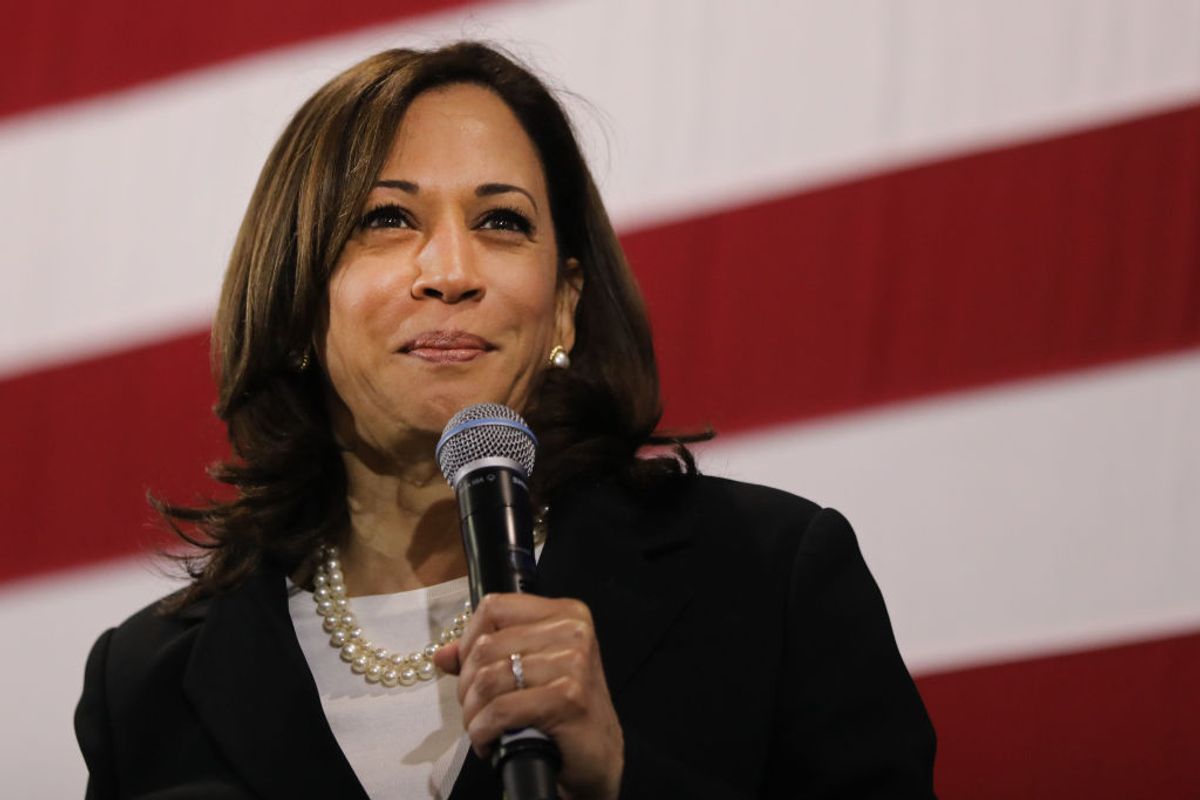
[506,219]
[386,216]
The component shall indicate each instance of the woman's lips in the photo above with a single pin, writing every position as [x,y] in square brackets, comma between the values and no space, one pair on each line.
[447,346]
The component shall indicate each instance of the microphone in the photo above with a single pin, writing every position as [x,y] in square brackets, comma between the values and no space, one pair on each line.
[487,453]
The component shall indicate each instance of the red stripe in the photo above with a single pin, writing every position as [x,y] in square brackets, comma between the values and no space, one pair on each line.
[1050,256]
[1105,724]
[85,442]
[1059,254]
[53,51]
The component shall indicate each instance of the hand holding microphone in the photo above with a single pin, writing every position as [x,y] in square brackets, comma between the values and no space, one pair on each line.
[530,678]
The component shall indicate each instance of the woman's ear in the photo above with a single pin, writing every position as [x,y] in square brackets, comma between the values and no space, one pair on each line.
[570,287]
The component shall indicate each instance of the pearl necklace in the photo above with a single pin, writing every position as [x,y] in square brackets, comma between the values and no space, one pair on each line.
[376,664]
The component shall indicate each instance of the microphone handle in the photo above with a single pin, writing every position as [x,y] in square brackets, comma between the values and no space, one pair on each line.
[497,528]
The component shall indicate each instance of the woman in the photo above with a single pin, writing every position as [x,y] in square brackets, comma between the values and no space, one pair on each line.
[424,236]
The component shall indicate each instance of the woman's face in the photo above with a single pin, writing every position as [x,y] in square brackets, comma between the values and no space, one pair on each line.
[448,292]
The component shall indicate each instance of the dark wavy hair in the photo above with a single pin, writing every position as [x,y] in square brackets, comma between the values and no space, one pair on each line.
[287,477]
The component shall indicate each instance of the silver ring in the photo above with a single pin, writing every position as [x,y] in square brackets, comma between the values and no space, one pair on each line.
[518,669]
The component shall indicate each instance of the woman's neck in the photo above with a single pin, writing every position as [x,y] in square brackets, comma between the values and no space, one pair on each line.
[403,529]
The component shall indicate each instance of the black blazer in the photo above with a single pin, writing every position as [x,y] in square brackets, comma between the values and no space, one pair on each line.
[746,647]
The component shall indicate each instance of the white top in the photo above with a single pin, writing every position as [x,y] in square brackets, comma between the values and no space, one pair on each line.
[402,742]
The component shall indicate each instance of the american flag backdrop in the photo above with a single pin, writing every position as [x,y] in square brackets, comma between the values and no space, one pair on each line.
[935,263]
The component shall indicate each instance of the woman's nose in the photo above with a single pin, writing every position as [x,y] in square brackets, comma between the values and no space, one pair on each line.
[446,266]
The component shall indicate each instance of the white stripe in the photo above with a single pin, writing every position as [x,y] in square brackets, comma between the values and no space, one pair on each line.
[119,213]
[1044,516]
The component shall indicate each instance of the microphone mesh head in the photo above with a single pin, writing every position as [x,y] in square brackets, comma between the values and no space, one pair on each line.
[485,430]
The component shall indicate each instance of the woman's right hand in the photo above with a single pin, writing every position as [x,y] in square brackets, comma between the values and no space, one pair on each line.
[565,694]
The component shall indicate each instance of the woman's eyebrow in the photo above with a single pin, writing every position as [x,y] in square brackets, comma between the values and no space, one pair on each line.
[404,186]
[488,189]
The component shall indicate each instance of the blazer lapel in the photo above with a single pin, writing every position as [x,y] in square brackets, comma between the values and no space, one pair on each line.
[477,780]
[623,560]
[607,551]
[252,689]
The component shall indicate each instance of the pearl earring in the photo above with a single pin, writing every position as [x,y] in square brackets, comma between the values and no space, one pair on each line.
[305,360]
[559,358]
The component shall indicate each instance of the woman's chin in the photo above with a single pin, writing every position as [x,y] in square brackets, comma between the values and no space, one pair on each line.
[433,415]
[438,410]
